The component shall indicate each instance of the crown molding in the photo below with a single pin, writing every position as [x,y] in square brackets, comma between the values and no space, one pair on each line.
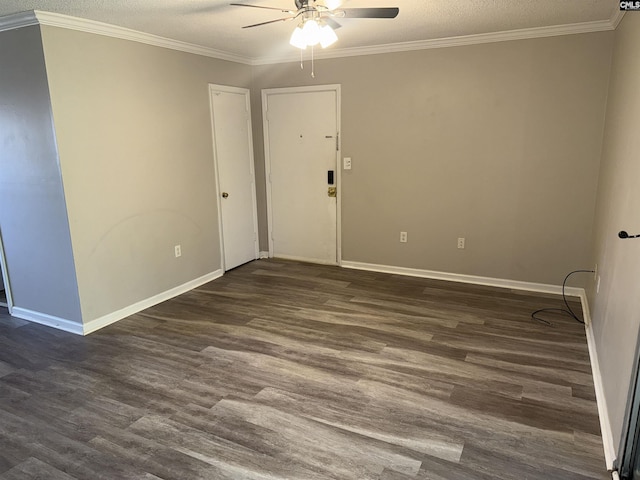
[522,34]
[616,18]
[24,19]
[35,17]
[17,20]
[99,28]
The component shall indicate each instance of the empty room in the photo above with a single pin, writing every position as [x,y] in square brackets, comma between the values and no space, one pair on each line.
[319,239]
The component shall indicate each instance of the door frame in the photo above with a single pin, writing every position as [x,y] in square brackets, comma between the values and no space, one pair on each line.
[5,276]
[630,441]
[267,159]
[213,88]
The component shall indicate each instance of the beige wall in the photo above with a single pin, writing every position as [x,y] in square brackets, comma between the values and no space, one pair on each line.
[134,136]
[616,308]
[498,143]
[33,215]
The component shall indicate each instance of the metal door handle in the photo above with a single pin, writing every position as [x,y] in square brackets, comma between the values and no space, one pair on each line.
[225,194]
[332,192]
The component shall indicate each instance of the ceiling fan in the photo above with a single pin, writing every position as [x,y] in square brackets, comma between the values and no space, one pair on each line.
[317,24]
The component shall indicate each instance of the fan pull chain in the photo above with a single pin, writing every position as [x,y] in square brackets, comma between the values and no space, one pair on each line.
[313,73]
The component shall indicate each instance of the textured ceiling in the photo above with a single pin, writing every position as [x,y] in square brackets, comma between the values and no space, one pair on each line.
[217,25]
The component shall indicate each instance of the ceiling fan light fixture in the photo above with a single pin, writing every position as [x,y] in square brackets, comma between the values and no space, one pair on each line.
[317,25]
[311,31]
[327,36]
[298,39]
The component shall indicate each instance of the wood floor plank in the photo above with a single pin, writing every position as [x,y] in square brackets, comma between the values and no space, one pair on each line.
[34,468]
[285,370]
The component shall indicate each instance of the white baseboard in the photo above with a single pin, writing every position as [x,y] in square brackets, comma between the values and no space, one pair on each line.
[605,424]
[263,255]
[586,313]
[473,279]
[113,317]
[48,320]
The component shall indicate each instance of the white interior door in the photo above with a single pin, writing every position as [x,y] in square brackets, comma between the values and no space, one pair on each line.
[301,148]
[233,148]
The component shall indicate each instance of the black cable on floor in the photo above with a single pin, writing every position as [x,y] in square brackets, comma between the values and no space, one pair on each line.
[568,310]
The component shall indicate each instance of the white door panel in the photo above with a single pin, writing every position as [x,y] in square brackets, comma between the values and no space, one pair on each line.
[236,180]
[301,148]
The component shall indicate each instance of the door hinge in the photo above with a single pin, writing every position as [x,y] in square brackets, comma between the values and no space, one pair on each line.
[337,142]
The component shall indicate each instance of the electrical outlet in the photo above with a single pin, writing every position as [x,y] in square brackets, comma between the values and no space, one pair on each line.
[178,251]
[403,237]
[346,163]
[460,242]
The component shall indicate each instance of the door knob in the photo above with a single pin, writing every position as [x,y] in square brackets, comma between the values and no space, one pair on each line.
[332,192]
[225,194]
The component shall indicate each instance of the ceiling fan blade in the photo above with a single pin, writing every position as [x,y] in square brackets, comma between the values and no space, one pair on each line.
[382,12]
[267,23]
[263,7]
[331,22]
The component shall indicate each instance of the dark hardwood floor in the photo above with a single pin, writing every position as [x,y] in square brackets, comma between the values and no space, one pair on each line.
[281,370]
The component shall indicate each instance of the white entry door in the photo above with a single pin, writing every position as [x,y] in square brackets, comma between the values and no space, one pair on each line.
[233,152]
[301,150]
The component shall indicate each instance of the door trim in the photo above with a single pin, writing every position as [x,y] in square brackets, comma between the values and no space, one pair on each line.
[267,160]
[213,88]
[5,276]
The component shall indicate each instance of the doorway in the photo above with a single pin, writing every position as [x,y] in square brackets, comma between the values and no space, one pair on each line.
[629,464]
[302,147]
[235,177]
[5,293]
